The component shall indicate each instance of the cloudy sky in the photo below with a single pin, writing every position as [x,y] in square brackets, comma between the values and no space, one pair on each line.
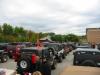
[59,16]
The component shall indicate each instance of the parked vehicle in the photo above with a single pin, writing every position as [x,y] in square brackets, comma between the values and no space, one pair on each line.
[27,44]
[85,45]
[87,57]
[34,59]
[12,47]
[66,48]
[57,49]
[98,46]
[3,54]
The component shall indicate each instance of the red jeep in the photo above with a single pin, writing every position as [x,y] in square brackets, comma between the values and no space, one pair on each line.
[12,47]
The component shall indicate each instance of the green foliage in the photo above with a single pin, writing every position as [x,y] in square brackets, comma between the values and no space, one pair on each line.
[72,38]
[0,29]
[8,33]
[7,29]
[51,34]
[65,38]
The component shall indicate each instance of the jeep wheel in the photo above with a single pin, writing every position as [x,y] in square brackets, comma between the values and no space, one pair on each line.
[60,59]
[75,62]
[4,58]
[24,64]
[45,69]
[63,56]
[88,63]
[54,64]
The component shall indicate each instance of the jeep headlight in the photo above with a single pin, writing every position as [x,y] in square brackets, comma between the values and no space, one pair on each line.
[78,53]
[94,53]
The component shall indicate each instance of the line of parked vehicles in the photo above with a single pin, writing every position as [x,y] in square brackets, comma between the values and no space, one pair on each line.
[7,50]
[35,59]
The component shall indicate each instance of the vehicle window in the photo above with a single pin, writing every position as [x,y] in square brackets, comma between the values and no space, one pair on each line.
[0,48]
[13,43]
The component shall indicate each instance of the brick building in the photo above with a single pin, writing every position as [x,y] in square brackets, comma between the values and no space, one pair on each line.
[93,35]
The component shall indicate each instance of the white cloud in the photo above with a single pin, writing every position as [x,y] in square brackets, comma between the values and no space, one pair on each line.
[59,16]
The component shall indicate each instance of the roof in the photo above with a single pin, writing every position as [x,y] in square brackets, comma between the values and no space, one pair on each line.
[46,38]
[87,49]
[35,48]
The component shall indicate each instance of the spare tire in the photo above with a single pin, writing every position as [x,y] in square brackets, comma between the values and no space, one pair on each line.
[24,64]
[45,69]
[36,73]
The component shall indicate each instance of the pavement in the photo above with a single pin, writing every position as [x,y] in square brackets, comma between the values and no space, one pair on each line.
[81,70]
[66,63]
[10,65]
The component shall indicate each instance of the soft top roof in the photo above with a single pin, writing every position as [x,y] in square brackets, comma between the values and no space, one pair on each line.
[34,48]
[87,49]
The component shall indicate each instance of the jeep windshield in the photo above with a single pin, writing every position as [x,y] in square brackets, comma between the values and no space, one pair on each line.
[83,46]
[15,44]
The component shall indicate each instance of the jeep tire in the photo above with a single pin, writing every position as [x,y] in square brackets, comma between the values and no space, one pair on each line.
[63,56]
[45,69]
[24,64]
[59,59]
[88,63]
[4,58]
[54,64]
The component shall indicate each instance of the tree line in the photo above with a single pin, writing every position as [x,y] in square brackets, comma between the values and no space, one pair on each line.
[8,33]
[66,38]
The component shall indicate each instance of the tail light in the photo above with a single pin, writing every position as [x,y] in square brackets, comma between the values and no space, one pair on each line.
[34,58]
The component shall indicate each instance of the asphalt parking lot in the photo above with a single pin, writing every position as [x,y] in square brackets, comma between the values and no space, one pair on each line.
[11,65]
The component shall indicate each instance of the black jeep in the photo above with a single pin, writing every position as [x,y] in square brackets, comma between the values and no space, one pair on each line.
[34,59]
[3,54]
[57,50]
[87,57]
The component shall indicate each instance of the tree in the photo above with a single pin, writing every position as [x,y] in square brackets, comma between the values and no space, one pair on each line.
[71,38]
[30,35]
[9,33]
[51,34]
[7,29]
[0,29]
[57,38]
[16,31]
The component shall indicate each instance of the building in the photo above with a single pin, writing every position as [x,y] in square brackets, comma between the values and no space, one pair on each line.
[93,35]
[46,39]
